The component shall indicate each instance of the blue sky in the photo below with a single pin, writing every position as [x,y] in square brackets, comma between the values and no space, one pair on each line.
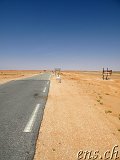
[71,34]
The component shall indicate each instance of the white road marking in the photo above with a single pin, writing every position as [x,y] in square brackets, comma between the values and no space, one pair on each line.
[44,89]
[31,121]
[48,82]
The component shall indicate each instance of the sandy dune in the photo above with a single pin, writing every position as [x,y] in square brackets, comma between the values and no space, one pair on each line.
[82,113]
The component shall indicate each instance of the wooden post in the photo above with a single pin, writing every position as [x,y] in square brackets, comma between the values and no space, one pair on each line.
[103,73]
[106,73]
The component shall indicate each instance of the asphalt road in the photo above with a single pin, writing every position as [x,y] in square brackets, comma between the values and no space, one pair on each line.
[22,105]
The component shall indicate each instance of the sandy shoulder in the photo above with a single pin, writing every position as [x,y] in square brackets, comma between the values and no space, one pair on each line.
[74,121]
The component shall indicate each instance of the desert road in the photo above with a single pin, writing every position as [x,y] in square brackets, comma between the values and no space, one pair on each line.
[22,105]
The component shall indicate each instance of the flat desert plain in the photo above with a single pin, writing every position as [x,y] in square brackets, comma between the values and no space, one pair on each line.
[82,114]
[8,75]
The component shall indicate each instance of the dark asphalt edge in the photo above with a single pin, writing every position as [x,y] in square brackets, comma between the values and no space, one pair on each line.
[40,122]
[2,85]
[22,79]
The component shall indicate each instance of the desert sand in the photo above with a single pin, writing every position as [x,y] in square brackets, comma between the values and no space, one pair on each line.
[82,113]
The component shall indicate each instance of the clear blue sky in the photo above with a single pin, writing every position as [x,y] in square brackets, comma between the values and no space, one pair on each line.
[71,34]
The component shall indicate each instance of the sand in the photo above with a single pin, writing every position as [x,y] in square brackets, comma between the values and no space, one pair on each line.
[82,113]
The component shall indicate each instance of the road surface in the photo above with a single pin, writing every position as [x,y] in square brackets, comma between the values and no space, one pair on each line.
[22,105]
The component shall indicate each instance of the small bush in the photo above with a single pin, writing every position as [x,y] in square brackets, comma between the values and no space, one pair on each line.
[98,100]
[100,97]
[107,93]
[108,111]
[119,116]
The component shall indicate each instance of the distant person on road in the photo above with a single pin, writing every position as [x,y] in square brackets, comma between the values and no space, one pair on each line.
[58,78]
